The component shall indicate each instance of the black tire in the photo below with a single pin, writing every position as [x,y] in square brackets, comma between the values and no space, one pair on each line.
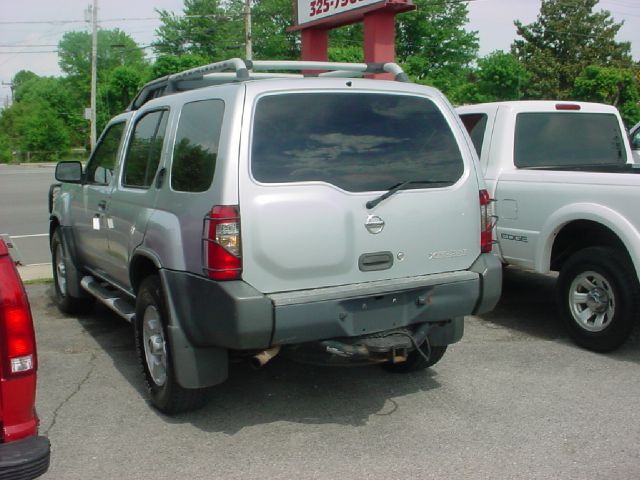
[598,297]
[416,362]
[151,328]
[61,265]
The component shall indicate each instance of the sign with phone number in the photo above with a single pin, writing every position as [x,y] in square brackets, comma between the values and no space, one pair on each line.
[312,10]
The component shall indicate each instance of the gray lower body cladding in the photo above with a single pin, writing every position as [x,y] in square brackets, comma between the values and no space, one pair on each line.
[234,315]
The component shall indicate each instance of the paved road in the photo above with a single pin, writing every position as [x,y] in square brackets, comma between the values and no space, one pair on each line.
[514,399]
[23,208]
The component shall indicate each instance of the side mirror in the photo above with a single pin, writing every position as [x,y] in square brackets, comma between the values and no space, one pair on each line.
[69,172]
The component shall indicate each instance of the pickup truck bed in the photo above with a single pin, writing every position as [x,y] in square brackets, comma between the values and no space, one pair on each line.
[567,198]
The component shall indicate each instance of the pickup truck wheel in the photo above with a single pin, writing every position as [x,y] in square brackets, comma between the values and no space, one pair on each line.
[154,353]
[61,264]
[416,362]
[598,298]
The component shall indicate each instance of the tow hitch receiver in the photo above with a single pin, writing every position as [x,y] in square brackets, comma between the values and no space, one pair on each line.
[392,346]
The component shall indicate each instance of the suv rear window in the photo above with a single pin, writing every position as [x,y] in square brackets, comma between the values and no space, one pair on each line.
[355,141]
[568,139]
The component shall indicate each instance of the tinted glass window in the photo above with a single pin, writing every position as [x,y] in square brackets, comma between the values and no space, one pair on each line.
[635,139]
[565,139]
[101,165]
[196,147]
[145,148]
[476,124]
[356,141]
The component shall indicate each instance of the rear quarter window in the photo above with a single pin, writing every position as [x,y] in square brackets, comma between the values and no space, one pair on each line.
[476,125]
[196,146]
[355,141]
[567,139]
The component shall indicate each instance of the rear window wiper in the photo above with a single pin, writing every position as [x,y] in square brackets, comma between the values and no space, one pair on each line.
[372,203]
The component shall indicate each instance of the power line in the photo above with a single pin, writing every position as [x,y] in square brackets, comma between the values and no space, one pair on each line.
[29,51]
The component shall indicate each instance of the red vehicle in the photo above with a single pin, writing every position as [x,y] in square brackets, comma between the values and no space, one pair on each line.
[23,454]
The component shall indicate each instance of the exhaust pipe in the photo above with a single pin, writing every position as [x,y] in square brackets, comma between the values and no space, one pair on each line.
[262,358]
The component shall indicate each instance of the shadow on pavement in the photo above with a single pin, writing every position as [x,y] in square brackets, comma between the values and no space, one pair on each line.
[528,306]
[282,391]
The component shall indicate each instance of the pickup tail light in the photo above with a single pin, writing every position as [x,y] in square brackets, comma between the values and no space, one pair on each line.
[222,250]
[486,222]
[17,337]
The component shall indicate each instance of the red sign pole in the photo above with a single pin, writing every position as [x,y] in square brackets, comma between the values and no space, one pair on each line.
[315,18]
[380,39]
[315,44]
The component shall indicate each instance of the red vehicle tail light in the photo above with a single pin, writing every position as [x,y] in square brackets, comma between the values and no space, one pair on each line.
[17,338]
[222,246]
[567,106]
[486,222]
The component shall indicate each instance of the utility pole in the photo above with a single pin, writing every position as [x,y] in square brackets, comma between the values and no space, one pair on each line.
[10,85]
[248,48]
[94,62]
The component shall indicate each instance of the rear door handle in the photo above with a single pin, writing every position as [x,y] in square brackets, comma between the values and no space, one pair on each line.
[102,205]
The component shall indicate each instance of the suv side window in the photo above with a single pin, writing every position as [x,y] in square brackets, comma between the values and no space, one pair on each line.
[635,140]
[100,167]
[196,147]
[145,148]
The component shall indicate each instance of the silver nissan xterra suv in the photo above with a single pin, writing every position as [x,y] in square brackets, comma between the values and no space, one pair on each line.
[233,213]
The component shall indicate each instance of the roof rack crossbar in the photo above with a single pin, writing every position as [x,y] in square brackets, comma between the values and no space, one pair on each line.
[241,70]
[234,64]
[262,65]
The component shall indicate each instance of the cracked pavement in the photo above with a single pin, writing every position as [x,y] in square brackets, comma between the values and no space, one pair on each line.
[514,399]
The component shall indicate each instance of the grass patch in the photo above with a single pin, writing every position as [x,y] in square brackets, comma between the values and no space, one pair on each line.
[38,281]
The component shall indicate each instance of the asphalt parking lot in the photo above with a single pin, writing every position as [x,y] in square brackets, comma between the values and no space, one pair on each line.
[514,399]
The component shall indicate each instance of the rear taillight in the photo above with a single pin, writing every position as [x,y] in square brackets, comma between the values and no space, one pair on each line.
[17,338]
[486,222]
[222,248]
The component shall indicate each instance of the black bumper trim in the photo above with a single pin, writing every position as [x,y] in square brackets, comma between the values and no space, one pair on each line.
[24,459]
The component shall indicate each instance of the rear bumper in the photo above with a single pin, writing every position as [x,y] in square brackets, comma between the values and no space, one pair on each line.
[24,459]
[233,315]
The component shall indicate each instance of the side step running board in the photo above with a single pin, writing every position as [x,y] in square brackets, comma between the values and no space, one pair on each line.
[111,298]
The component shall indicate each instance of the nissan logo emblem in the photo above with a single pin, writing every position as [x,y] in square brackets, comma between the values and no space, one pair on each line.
[374,224]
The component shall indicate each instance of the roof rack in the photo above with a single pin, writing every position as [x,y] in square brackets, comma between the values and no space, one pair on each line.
[238,70]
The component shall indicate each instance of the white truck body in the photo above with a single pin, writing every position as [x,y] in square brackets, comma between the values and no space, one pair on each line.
[566,184]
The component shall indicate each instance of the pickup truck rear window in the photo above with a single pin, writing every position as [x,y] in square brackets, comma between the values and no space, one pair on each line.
[568,139]
[355,141]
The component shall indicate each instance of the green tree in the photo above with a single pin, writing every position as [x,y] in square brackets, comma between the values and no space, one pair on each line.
[500,76]
[271,40]
[115,48]
[615,86]
[21,77]
[567,37]
[212,29]
[121,86]
[40,121]
[5,148]
[433,44]
[35,127]
[168,64]
[117,52]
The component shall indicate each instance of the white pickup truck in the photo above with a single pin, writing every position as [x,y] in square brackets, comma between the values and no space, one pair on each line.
[567,197]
